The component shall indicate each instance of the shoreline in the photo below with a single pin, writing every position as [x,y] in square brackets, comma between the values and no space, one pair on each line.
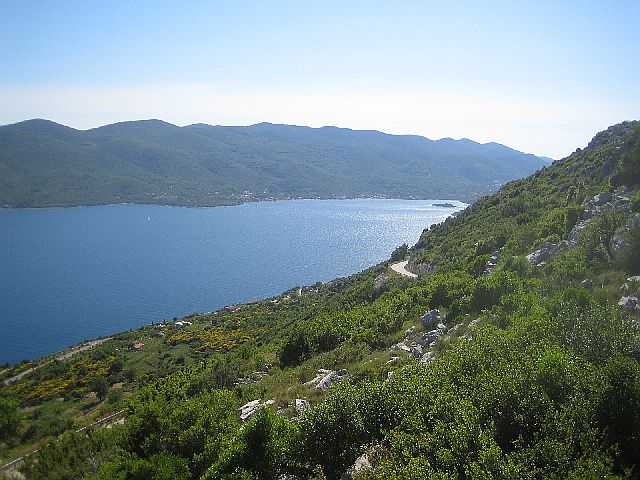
[266,200]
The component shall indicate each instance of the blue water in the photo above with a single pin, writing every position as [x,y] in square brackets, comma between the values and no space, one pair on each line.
[70,274]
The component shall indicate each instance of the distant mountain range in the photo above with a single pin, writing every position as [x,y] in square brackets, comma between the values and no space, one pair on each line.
[43,163]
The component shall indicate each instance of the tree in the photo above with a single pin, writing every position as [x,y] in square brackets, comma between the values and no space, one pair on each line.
[114,396]
[400,253]
[10,418]
[294,350]
[100,385]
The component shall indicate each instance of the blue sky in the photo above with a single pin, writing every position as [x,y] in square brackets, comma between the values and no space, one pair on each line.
[539,76]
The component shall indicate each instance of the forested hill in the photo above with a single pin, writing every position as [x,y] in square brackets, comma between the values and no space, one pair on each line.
[514,354]
[46,164]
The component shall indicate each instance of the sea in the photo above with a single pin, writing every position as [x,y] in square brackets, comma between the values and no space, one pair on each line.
[73,274]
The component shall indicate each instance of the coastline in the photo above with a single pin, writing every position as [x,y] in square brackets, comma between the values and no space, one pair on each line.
[264,200]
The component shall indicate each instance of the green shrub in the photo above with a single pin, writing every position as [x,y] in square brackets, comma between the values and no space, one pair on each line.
[160,466]
[635,202]
[628,169]
[263,449]
[78,455]
[294,350]
[11,418]
[573,214]
[488,290]
[630,258]
[618,406]
[335,432]
[478,265]
[399,253]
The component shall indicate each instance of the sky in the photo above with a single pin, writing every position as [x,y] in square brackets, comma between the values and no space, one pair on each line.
[539,76]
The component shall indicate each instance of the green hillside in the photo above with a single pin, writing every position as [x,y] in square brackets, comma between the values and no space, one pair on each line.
[46,164]
[514,354]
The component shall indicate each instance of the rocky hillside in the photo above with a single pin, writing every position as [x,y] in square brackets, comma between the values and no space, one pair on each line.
[513,354]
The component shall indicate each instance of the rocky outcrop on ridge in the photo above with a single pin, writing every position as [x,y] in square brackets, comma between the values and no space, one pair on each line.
[593,207]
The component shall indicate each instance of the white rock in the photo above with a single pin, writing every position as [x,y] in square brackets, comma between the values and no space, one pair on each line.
[362,463]
[559,247]
[331,378]
[314,381]
[430,318]
[430,337]
[542,254]
[633,221]
[628,303]
[577,231]
[587,283]
[321,373]
[617,246]
[326,381]
[301,404]
[428,357]
[401,347]
[455,328]
[602,198]
[249,409]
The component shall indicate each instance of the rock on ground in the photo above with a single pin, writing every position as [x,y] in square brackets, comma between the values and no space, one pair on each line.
[431,318]
[402,347]
[249,409]
[301,404]
[587,283]
[428,357]
[330,379]
[629,303]
[321,373]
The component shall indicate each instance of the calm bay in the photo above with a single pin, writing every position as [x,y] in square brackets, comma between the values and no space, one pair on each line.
[71,274]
